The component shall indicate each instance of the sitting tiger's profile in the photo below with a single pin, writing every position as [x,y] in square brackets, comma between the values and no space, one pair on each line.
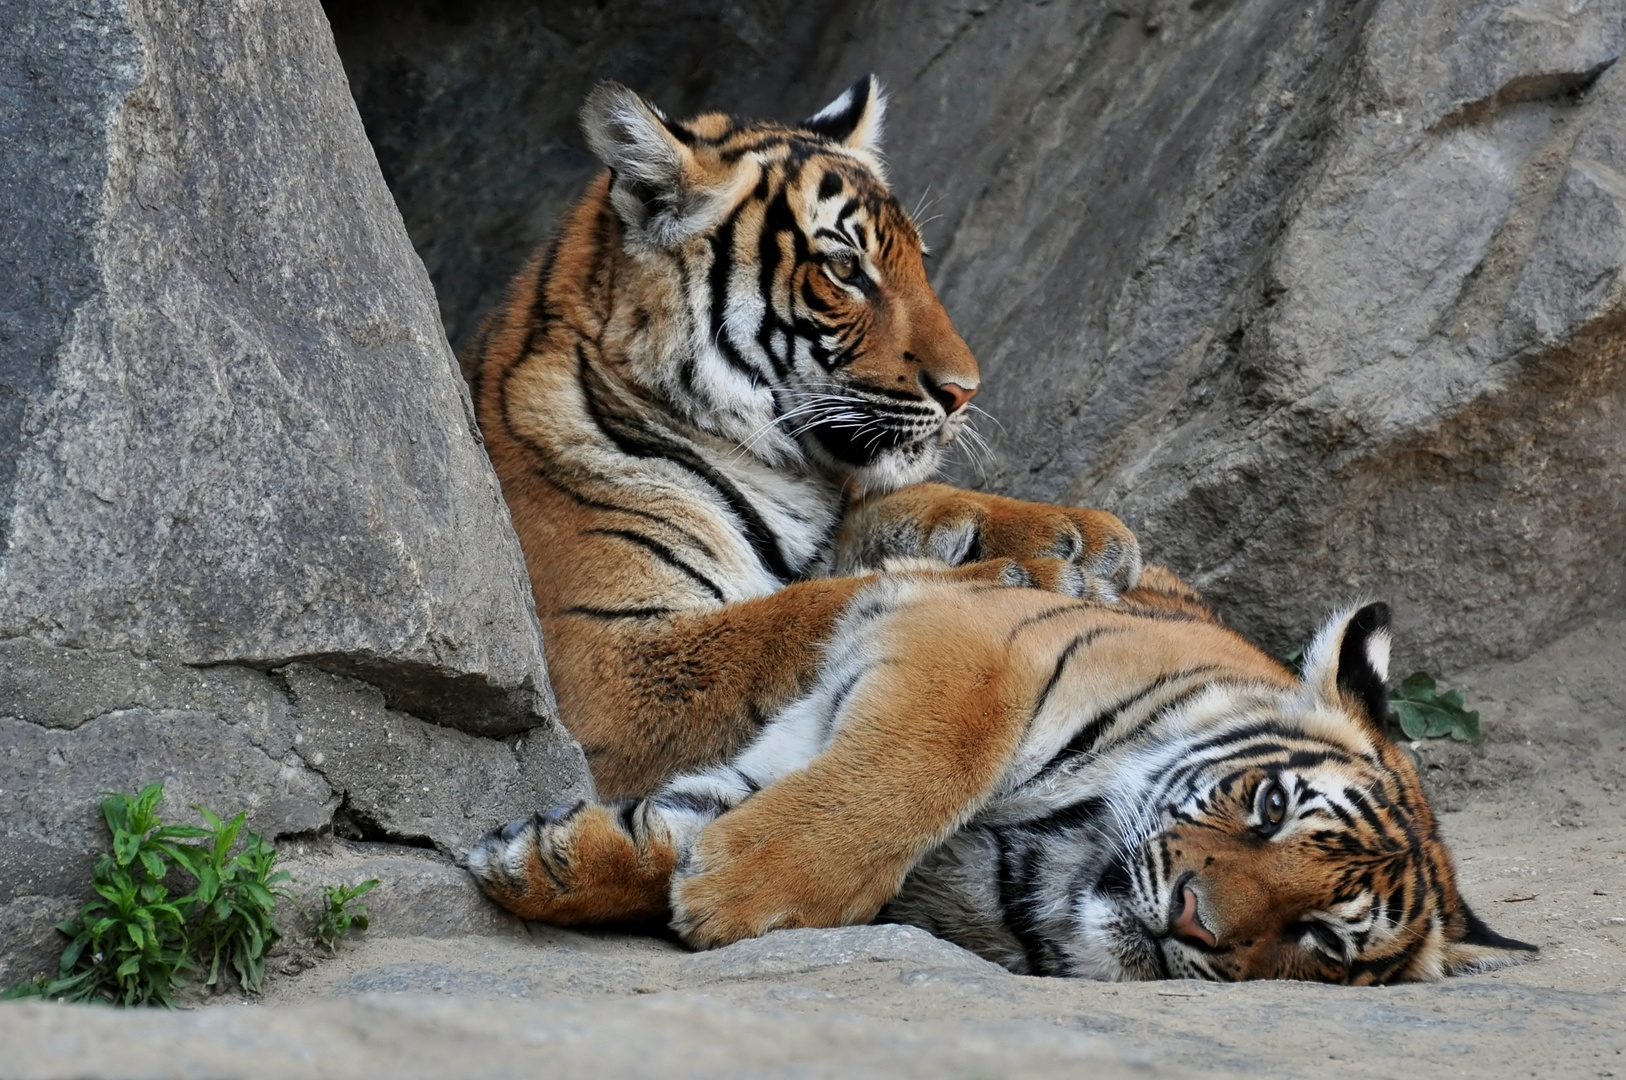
[728,354]
[814,688]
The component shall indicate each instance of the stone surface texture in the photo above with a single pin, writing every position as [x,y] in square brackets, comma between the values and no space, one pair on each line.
[1324,298]
[250,544]
[237,434]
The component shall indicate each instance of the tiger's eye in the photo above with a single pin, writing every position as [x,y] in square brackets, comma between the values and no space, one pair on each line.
[843,265]
[1275,804]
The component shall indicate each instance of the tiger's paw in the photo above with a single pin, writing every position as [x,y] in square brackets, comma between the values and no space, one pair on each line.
[584,863]
[740,883]
[960,528]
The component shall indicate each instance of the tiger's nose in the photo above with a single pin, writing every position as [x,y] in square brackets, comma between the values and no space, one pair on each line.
[1188,923]
[952,396]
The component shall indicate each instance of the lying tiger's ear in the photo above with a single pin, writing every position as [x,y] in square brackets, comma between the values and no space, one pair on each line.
[1483,949]
[854,118]
[1349,661]
[660,191]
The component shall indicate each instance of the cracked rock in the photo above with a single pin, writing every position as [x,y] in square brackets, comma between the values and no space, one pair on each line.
[414,782]
[233,438]
[52,781]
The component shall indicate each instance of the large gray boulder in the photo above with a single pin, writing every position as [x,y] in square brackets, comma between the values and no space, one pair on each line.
[250,544]
[1323,297]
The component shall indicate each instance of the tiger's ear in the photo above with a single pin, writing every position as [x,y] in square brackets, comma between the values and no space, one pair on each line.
[1483,949]
[660,191]
[1349,659]
[854,118]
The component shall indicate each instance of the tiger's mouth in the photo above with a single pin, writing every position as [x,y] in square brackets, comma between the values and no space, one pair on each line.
[859,442]
[857,429]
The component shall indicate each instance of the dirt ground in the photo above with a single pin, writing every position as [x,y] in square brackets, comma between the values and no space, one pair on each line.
[1534,814]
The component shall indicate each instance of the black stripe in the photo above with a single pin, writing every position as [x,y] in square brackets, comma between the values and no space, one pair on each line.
[1015,899]
[1055,673]
[698,802]
[663,553]
[617,613]
[627,809]
[598,504]
[722,265]
[1084,812]
[642,443]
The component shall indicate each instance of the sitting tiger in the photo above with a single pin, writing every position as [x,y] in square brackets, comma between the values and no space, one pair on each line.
[815,689]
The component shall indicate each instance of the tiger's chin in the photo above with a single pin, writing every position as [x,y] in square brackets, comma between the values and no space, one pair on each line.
[886,463]
[883,464]
[1111,944]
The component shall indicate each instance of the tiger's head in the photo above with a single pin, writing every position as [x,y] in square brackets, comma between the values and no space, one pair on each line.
[782,301]
[1281,835]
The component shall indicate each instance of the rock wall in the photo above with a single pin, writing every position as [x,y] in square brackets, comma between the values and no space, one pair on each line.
[250,544]
[1324,297]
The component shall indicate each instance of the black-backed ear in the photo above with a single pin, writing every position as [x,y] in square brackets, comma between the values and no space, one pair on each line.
[854,118]
[1483,949]
[659,190]
[1349,658]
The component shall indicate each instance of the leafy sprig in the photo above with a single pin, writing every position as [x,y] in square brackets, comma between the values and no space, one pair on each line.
[1423,712]
[133,944]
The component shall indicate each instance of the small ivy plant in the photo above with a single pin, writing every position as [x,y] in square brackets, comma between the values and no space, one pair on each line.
[134,943]
[340,912]
[1423,712]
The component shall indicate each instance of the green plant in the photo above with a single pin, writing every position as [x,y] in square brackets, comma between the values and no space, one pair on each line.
[1422,712]
[234,899]
[129,945]
[133,943]
[338,915]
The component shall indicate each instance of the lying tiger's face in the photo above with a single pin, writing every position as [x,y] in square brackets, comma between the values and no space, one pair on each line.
[1291,840]
[812,333]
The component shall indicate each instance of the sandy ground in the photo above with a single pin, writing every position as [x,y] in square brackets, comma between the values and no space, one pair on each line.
[1534,814]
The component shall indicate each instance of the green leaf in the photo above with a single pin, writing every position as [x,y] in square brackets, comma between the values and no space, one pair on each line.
[125,847]
[1418,686]
[136,935]
[181,832]
[1412,721]
[208,885]
[1423,712]
[260,894]
[129,967]
[28,988]
[154,863]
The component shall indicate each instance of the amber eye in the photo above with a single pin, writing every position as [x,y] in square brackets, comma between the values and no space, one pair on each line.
[1272,804]
[843,264]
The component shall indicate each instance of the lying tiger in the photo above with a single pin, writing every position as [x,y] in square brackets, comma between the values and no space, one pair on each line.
[815,689]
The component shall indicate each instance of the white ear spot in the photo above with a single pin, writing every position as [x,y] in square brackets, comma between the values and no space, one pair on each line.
[837,107]
[1377,653]
[854,118]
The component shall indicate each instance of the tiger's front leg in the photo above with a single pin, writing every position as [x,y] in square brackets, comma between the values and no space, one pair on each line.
[913,719]
[924,708]
[957,527]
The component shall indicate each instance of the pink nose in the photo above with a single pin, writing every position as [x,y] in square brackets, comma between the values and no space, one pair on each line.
[1188,925]
[952,396]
